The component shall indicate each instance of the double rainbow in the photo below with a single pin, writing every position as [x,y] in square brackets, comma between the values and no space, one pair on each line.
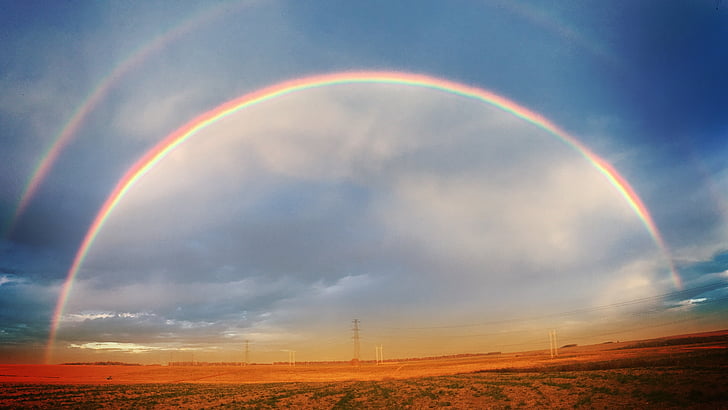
[172,141]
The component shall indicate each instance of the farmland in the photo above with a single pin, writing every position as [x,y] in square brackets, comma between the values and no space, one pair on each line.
[684,371]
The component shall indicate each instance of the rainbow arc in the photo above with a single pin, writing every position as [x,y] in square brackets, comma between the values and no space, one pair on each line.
[152,157]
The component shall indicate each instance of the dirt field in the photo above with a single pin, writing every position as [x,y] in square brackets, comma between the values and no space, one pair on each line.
[679,372]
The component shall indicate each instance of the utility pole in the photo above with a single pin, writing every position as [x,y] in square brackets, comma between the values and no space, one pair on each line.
[292,358]
[355,329]
[247,342]
[553,344]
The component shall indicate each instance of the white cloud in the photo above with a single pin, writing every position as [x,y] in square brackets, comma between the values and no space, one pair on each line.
[4,279]
[633,281]
[84,316]
[116,346]
[156,113]
[551,217]
[385,202]
[81,317]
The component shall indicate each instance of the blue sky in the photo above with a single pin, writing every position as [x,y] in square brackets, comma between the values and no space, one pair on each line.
[430,217]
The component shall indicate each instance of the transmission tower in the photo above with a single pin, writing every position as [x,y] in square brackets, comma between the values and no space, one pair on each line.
[247,342]
[355,329]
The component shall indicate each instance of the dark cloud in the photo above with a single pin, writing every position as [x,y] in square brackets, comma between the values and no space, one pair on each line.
[25,308]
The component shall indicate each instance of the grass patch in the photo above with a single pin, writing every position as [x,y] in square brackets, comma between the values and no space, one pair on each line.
[495,393]
[660,396]
[604,390]
[565,386]
[346,402]
[584,401]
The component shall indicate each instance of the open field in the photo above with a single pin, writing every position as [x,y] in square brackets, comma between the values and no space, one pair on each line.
[683,371]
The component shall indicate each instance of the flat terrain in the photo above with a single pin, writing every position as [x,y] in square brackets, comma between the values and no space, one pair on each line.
[680,372]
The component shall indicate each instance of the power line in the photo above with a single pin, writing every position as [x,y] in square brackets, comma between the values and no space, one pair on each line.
[654,298]
[610,333]
[501,333]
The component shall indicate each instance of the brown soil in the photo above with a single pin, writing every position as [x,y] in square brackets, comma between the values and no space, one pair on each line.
[679,372]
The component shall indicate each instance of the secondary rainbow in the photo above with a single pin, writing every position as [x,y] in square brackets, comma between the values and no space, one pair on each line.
[99,93]
[172,141]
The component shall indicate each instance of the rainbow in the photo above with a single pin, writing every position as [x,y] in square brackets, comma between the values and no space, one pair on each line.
[175,139]
[72,126]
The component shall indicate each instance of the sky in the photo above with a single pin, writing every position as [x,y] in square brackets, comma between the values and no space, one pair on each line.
[445,223]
